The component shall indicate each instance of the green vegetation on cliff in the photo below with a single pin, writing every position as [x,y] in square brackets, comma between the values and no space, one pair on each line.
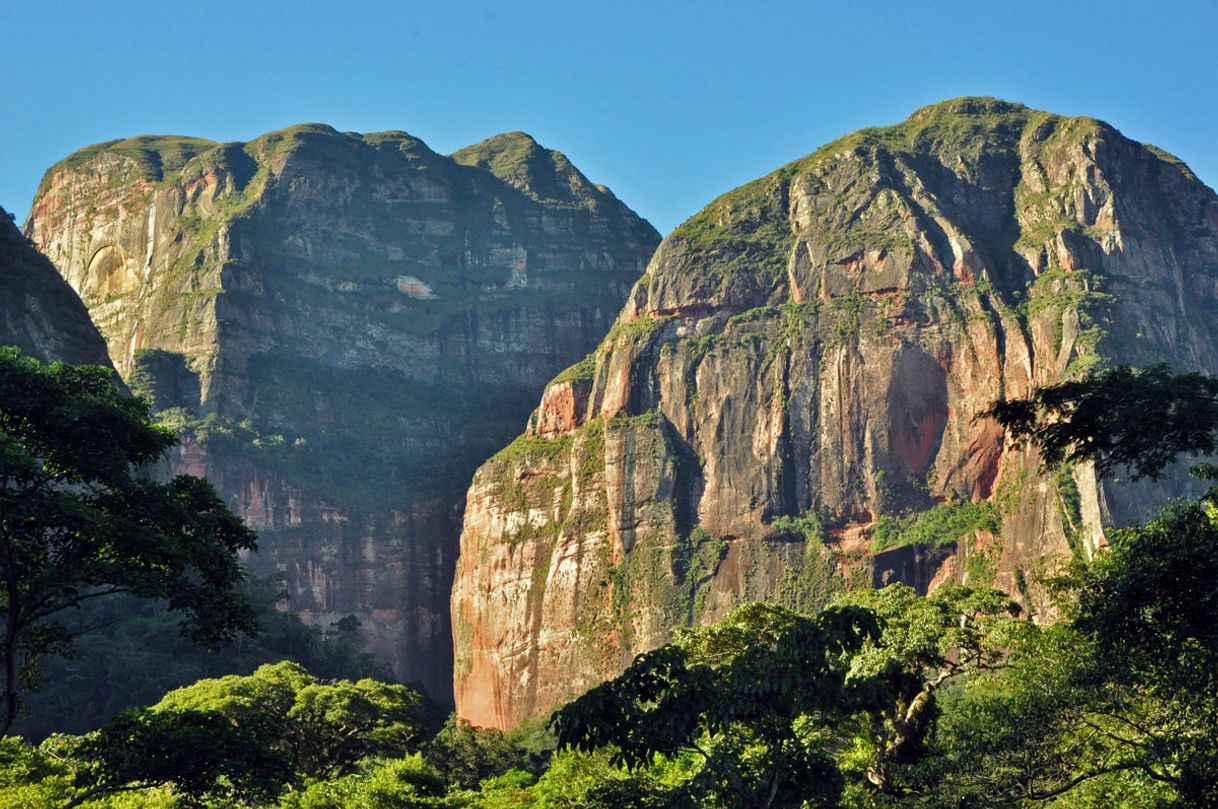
[942,525]
[750,230]
[752,220]
[583,370]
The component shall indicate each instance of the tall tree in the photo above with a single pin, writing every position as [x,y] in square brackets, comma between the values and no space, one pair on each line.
[1143,692]
[1148,606]
[323,729]
[1123,696]
[78,520]
[200,754]
[744,696]
[926,643]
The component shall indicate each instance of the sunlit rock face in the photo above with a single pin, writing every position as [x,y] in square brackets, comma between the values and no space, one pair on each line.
[39,313]
[797,377]
[343,326]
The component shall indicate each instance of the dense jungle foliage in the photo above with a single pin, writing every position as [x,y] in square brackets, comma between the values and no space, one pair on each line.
[883,699]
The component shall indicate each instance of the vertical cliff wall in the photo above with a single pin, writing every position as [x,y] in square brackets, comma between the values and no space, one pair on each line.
[342,327]
[787,403]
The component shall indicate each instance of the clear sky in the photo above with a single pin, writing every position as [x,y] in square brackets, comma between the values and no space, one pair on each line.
[668,103]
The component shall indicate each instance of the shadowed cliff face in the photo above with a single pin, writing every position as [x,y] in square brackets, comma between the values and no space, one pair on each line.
[787,403]
[342,327]
[39,313]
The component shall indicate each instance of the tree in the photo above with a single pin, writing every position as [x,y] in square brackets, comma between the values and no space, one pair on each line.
[747,697]
[201,754]
[1148,605]
[1142,419]
[1146,693]
[926,643]
[1120,700]
[31,777]
[1036,730]
[323,729]
[470,755]
[237,741]
[78,521]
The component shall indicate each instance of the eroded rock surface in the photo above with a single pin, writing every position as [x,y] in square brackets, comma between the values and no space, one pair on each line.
[787,404]
[343,326]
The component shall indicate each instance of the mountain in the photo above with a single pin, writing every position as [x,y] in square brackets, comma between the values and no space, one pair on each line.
[787,404]
[342,327]
[39,312]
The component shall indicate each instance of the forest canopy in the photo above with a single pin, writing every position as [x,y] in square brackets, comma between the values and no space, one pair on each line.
[883,699]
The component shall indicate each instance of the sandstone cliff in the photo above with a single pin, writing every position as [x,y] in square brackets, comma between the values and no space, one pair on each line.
[39,313]
[786,404]
[343,326]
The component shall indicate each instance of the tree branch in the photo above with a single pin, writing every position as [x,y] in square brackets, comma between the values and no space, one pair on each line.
[75,601]
[107,789]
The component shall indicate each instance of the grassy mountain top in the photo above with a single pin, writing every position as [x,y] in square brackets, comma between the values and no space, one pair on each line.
[517,159]
[514,158]
[156,155]
[333,143]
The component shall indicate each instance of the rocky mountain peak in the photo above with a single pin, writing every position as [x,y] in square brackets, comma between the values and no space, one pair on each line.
[343,326]
[787,403]
[147,157]
[516,158]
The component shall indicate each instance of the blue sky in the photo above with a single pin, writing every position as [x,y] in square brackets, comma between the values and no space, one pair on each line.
[668,103]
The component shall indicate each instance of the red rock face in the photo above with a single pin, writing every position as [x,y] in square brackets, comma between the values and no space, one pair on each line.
[563,408]
[823,341]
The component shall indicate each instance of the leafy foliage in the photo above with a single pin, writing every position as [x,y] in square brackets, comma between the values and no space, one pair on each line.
[323,729]
[470,755]
[1118,702]
[926,643]
[742,696]
[941,525]
[77,522]
[1142,419]
[201,754]
[1148,608]
[406,783]
[807,525]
